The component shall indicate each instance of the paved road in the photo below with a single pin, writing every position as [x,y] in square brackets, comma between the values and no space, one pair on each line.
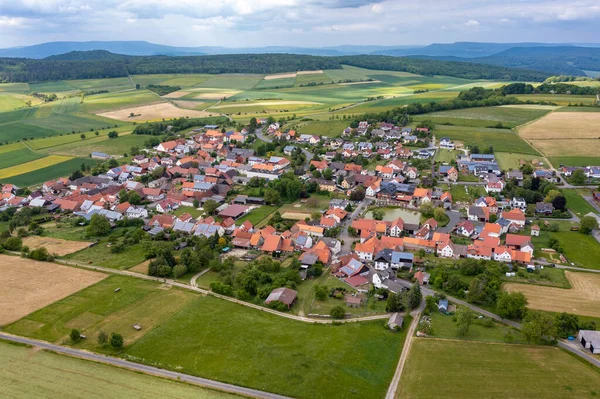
[344,235]
[416,314]
[226,298]
[113,361]
[454,219]
[196,276]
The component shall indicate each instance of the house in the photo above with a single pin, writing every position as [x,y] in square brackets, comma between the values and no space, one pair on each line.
[515,216]
[465,228]
[422,277]
[518,202]
[522,243]
[514,175]
[494,187]
[100,155]
[395,321]
[354,301]
[452,174]
[478,214]
[446,143]
[401,260]
[284,295]
[535,230]
[382,259]
[443,305]
[544,208]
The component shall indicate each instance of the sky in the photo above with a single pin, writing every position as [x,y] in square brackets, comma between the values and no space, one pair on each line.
[306,23]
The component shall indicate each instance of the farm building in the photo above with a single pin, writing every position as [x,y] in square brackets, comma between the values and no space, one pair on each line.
[395,321]
[283,295]
[234,211]
[590,339]
[100,155]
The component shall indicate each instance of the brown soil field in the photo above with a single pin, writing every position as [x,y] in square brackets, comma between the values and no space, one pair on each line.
[583,298]
[568,147]
[153,112]
[55,246]
[27,285]
[188,104]
[295,215]
[308,72]
[142,268]
[177,94]
[216,95]
[560,125]
[281,76]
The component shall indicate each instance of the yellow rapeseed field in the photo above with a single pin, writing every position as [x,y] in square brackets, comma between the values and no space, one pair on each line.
[33,165]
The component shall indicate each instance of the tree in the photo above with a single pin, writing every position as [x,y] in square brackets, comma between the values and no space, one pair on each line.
[337,312]
[327,174]
[426,210]
[116,340]
[552,194]
[554,227]
[431,304]
[414,296]
[252,125]
[112,163]
[395,303]
[82,136]
[102,338]
[320,292]
[99,226]
[271,196]
[113,135]
[512,305]
[578,177]
[75,336]
[210,206]
[378,214]
[559,202]
[464,318]
[137,86]
[97,133]
[76,175]
[566,324]
[439,214]
[588,223]
[179,271]
[358,194]
[13,244]
[537,327]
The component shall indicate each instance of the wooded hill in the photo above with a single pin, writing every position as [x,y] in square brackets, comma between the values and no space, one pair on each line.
[103,64]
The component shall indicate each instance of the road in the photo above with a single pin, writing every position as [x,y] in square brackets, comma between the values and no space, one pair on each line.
[410,334]
[454,219]
[196,276]
[226,298]
[344,235]
[172,375]
[260,135]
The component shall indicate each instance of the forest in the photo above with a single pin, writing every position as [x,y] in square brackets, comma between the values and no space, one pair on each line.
[95,66]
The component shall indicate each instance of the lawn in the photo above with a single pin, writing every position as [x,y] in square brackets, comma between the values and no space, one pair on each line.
[117,146]
[445,156]
[322,128]
[576,203]
[216,339]
[454,369]
[257,215]
[100,255]
[581,249]
[26,372]
[188,209]
[445,327]
[48,173]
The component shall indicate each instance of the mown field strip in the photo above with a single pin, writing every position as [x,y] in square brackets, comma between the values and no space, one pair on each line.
[33,165]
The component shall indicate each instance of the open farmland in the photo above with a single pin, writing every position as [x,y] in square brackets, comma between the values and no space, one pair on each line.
[582,298]
[502,140]
[18,157]
[32,165]
[488,116]
[463,369]
[565,134]
[56,375]
[187,332]
[507,160]
[117,146]
[28,285]
[45,173]
[153,112]
[55,246]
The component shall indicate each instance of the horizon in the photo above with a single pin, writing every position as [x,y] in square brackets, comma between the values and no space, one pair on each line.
[313,23]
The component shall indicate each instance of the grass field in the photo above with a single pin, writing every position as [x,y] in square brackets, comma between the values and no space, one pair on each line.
[118,146]
[574,161]
[560,99]
[576,203]
[257,215]
[445,327]
[29,285]
[43,174]
[100,255]
[153,112]
[32,165]
[486,116]
[445,156]
[210,337]
[502,140]
[123,99]
[582,298]
[55,246]
[507,160]
[455,369]
[26,372]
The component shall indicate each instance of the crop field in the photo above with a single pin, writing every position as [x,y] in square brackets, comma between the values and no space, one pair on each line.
[111,84]
[507,160]
[275,83]
[12,101]
[117,146]
[574,161]
[559,99]
[153,112]
[32,165]
[124,99]
[28,285]
[582,298]
[55,246]
[187,332]
[242,82]
[11,147]
[180,80]
[26,372]
[52,87]
[322,128]
[17,157]
[14,87]
[312,78]
[490,370]
[502,140]
[46,173]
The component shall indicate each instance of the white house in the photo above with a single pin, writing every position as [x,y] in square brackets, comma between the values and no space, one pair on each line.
[518,202]
[446,250]
[446,143]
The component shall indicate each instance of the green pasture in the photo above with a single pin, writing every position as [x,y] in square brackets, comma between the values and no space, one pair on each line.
[559,99]
[111,84]
[508,160]
[318,78]
[52,87]
[577,203]
[463,369]
[15,87]
[18,157]
[116,147]
[52,172]
[502,140]
[242,82]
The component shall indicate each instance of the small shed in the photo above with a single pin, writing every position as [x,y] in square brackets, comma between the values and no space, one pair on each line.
[535,230]
[443,305]
[284,295]
[137,327]
[354,301]
[395,321]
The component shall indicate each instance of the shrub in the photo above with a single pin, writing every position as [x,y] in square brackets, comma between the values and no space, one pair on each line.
[337,312]
[13,244]
[75,335]
[116,340]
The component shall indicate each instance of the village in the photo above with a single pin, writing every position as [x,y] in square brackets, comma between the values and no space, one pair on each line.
[387,210]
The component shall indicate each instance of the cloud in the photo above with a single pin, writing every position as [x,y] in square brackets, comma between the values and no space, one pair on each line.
[472,22]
